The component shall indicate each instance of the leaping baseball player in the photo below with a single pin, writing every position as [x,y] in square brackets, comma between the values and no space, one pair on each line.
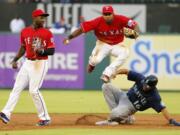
[141,96]
[37,44]
[110,30]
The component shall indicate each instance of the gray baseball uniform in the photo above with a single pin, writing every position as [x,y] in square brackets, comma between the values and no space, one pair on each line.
[118,102]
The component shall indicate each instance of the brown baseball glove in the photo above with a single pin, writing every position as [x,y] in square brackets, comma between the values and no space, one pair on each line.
[129,33]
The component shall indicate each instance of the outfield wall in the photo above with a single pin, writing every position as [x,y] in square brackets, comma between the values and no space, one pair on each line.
[150,54]
[67,68]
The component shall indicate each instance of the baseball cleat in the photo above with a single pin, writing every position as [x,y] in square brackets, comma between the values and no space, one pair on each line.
[43,122]
[4,118]
[105,78]
[106,122]
[90,68]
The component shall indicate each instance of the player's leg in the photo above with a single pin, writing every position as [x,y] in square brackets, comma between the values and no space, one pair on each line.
[100,51]
[37,73]
[120,110]
[20,83]
[123,113]
[111,95]
[121,53]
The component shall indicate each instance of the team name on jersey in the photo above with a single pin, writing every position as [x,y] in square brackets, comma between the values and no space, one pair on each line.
[139,95]
[141,99]
[35,41]
[111,32]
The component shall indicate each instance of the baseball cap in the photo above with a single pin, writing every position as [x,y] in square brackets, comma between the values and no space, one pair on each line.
[39,12]
[107,9]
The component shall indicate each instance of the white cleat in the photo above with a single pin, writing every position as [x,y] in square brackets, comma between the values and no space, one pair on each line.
[106,122]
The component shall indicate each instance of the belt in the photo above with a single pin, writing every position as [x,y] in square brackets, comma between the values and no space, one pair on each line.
[34,59]
[31,59]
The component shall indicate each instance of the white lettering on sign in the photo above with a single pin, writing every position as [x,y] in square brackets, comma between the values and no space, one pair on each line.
[68,61]
[64,61]
[5,59]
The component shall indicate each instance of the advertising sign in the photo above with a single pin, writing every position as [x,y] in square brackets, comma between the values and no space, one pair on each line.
[66,66]
[155,54]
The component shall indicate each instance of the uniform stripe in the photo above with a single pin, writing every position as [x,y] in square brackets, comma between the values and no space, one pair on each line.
[39,88]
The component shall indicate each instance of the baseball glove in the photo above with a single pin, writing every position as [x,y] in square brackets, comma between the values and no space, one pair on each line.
[129,33]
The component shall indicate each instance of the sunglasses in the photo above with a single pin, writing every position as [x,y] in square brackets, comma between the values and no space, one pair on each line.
[107,14]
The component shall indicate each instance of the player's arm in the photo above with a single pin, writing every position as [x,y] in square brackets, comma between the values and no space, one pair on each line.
[122,71]
[45,52]
[131,28]
[76,33]
[20,53]
[84,28]
[131,75]
[158,106]
[170,120]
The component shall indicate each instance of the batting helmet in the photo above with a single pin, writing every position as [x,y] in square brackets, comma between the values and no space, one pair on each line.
[151,80]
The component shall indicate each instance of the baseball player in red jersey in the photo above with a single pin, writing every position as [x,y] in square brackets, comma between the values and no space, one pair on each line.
[110,30]
[36,43]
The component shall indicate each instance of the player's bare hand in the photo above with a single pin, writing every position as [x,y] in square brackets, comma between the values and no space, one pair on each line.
[66,41]
[14,65]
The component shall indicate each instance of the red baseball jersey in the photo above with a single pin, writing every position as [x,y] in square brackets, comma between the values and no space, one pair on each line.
[111,34]
[36,38]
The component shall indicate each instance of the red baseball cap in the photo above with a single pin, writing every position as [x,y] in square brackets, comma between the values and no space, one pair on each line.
[39,12]
[107,9]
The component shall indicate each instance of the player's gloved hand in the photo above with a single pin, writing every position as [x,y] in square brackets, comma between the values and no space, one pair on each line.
[129,33]
[66,41]
[174,122]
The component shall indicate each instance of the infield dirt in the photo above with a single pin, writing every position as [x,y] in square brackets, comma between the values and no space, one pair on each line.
[28,121]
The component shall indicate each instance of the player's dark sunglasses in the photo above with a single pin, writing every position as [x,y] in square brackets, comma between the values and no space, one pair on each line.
[107,14]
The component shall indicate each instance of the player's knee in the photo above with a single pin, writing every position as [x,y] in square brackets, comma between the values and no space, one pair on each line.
[119,112]
[125,55]
[106,87]
[33,93]
[95,60]
[115,113]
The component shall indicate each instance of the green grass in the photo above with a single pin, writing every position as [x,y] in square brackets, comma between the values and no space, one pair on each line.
[78,102]
[81,131]
[82,102]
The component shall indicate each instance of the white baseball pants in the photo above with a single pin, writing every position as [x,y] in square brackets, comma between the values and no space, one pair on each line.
[32,73]
[102,50]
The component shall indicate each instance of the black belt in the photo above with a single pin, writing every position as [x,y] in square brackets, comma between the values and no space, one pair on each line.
[33,59]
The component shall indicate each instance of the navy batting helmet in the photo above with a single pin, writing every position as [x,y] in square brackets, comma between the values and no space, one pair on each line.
[151,80]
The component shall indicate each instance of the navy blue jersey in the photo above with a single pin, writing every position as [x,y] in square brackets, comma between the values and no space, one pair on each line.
[140,99]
